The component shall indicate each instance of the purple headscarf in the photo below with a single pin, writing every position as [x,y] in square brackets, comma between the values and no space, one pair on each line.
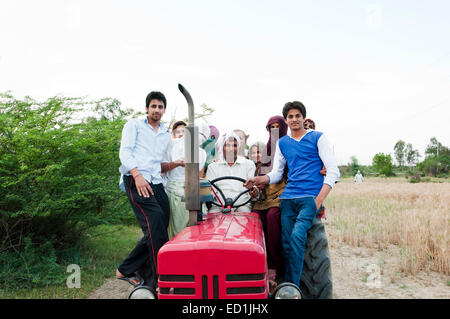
[267,155]
[214,132]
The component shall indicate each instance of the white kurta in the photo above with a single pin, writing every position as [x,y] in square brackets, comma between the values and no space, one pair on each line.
[175,179]
[243,168]
[358,178]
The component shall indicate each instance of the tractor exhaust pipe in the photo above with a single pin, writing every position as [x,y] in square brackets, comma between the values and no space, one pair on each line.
[192,176]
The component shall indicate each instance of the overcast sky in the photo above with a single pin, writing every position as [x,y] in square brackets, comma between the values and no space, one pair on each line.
[369,72]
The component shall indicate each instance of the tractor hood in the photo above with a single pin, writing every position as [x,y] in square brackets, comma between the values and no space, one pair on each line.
[220,230]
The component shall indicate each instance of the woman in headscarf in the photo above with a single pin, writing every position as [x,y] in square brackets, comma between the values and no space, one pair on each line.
[179,216]
[255,151]
[309,124]
[210,146]
[214,132]
[268,206]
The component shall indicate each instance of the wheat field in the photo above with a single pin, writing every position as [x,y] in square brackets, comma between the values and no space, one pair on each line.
[381,212]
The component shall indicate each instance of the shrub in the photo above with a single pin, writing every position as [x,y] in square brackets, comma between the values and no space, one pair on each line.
[59,170]
[414,179]
[34,265]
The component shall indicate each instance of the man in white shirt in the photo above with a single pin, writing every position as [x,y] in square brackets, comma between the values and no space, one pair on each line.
[304,152]
[175,176]
[230,164]
[142,148]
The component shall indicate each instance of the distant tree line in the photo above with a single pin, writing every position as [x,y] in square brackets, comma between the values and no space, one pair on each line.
[436,162]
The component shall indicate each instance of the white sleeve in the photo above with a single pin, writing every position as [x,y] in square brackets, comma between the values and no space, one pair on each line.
[327,157]
[168,154]
[127,145]
[279,162]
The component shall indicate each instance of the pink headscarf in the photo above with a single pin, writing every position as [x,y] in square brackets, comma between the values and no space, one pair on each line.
[214,132]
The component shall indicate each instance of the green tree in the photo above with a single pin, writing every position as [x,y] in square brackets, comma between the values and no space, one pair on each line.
[383,164]
[434,148]
[437,159]
[412,155]
[399,152]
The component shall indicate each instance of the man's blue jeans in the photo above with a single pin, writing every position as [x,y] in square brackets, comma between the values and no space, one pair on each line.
[297,216]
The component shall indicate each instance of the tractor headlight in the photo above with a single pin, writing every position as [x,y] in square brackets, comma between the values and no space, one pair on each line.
[287,290]
[142,292]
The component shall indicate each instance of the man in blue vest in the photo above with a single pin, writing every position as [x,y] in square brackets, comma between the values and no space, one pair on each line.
[305,152]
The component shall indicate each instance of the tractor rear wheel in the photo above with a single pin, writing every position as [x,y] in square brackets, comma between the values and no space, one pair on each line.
[316,282]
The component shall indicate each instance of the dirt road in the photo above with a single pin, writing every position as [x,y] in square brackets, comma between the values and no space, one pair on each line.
[358,273]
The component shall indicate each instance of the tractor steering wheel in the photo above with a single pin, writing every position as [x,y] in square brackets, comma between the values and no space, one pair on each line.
[228,202]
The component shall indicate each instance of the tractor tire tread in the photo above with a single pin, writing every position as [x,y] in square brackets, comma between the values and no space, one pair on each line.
[316,280]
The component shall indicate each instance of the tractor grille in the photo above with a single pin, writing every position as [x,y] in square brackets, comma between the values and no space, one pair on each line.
[175,281]
[216,287]
[245,277]
[205,287]
[234,286]
[178,291]
[245,284]
[245,290]
[183,278]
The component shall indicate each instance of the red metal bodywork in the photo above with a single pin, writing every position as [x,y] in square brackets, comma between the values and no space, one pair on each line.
[222,257]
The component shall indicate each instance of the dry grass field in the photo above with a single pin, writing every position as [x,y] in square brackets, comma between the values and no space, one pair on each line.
[383,212]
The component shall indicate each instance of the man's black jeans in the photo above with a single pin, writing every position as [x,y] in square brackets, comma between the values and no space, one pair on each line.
[152,214]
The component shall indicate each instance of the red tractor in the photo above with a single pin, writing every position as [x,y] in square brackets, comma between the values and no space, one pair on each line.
[224,255]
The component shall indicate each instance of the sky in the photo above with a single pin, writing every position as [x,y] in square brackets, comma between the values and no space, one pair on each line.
[369,72]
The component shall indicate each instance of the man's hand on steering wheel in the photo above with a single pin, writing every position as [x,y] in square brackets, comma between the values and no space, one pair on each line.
[257,181]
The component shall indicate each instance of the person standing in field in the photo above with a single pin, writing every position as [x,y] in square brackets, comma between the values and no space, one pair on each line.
[143,145]
[358,177]
[304,152]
